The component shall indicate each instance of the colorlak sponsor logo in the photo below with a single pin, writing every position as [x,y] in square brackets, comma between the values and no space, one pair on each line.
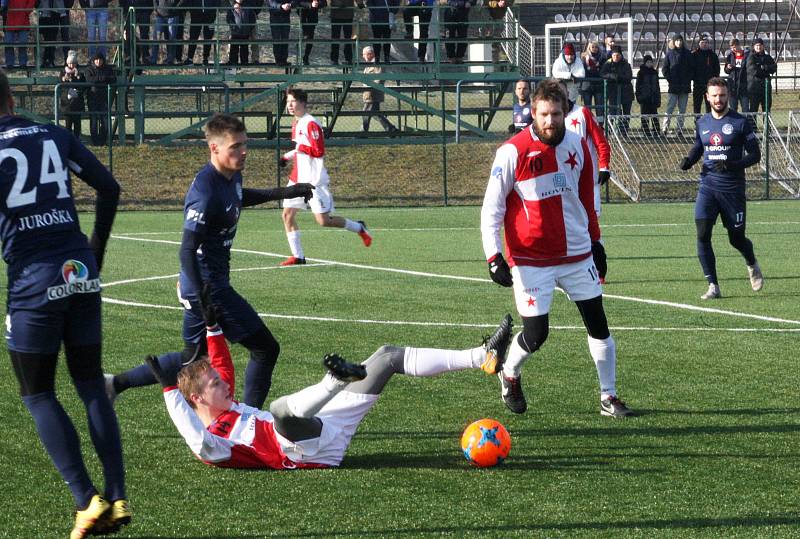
[76,281]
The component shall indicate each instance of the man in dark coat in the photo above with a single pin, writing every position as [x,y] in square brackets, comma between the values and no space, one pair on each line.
[760,66]
[381,17]
[706,65]
[342,13]
[678,72]
[736,68]
[279,20]
[617,71]
[648,95]
[100,75]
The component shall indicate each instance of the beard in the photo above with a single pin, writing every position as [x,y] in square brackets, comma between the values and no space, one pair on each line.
[719,108]
[553,136]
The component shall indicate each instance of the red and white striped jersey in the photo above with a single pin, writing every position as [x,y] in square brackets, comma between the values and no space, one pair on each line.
[242,437]
[543,197]
[309,165]
[580,120]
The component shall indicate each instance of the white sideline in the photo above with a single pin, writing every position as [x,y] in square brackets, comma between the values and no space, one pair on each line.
[175,275]
[683,306]
[449,324]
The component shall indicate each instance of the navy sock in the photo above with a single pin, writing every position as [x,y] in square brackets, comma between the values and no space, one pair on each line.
[104,431]
[707,261]
[142,376]
[61,442]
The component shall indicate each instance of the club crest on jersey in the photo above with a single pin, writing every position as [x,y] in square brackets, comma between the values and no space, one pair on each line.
[727,129]
[76,281]
[497,173]
[559,180]
[715,139]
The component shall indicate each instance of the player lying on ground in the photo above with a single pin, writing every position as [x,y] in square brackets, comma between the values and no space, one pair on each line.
[54,298]
[310,428]
[309,168]
[211,215]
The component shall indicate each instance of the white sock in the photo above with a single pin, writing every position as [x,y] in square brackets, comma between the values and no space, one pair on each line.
[352,226]
[515,357]
[294,243]
[604,354]
[431,361]
[309,401]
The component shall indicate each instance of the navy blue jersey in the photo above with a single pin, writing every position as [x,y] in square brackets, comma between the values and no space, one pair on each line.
[211,212]
[725,139]
[48,256]
[522,115]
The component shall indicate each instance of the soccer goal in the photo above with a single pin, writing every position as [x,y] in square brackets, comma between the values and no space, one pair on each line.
[645,160]
[574,32]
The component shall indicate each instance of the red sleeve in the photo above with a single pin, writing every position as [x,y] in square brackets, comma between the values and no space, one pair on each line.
[599,139]
[220,356]
[586,191]
[317,148]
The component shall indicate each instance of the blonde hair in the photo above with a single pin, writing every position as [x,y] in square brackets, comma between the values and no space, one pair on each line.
[189,379]
[588,50]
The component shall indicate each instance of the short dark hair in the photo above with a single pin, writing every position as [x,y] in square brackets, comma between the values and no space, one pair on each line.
[549,90]
[5,92]
[716,81]
[526,81]
[221,124]
[298,94]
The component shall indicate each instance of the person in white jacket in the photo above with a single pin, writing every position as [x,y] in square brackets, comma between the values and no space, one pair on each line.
[568,68]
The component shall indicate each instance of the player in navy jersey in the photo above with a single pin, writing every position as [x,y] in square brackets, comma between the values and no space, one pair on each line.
[522,106]
[211,215]
[727,144]
[54,298]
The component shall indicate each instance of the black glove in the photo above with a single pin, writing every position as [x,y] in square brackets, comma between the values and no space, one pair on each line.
[499,271]
[305,190]
[207,306]
[512,129]
[686,164]
[98,247]
[282,161]
[166,380]
[603,176]
[599,258]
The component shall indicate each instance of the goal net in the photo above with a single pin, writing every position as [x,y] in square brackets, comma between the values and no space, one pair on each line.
[580,33]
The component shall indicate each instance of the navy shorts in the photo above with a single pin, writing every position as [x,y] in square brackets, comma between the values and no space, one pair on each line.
[730,206]
[237,318]
[75,321]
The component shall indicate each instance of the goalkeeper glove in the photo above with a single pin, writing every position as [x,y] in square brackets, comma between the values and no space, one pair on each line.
[305,190]
[163,378]
[599,257]
[686,164]
[282,162]
[603,176]
[499,270]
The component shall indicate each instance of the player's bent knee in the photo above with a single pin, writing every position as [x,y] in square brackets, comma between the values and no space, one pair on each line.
[262,346]
[390,356]
[279,408]
[535,330]
[84,362]
[594,317]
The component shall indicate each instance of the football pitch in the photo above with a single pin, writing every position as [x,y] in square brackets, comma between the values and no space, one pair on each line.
[713,451]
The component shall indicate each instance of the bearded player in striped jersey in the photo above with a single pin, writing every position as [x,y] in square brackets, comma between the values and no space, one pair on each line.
[311,428]
[580,120]
[308,166]
[541,191]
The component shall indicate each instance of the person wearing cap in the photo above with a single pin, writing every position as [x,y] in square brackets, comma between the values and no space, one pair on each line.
[100,75]
[760,66]
[706,65]
[648,94]
[735,67]
[72,94]
[569,69]
[617,71]
[677,70]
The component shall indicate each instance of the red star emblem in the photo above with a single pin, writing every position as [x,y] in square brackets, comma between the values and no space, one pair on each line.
[531,301]
[575,122]
[572,162]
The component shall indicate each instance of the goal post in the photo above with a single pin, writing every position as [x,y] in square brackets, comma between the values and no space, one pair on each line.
[548,58]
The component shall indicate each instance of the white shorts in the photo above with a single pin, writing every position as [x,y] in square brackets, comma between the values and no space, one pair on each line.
[321,202]
[533,286]
[340,419]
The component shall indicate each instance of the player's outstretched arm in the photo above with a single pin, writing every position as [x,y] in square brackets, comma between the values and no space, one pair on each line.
[253,197]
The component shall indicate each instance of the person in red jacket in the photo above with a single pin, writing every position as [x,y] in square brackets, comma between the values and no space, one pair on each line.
[16,31]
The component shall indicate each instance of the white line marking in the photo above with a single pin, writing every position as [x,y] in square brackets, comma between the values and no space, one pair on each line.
[454,324]
[684,306]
